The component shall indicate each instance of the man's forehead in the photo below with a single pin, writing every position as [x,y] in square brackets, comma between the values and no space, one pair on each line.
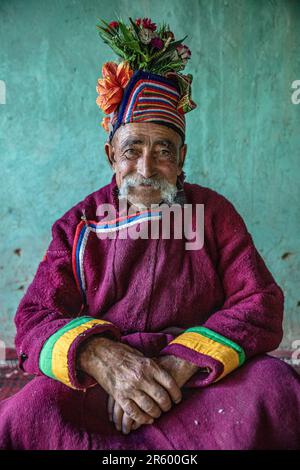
[156,135]
[141,139]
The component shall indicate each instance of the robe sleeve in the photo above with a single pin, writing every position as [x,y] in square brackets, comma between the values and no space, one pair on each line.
[51,320]
[250,320]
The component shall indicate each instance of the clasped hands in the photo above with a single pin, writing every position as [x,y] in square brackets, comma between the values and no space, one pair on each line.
[139,388]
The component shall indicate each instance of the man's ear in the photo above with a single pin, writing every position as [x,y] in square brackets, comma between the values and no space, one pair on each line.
[110,154]
[182,155]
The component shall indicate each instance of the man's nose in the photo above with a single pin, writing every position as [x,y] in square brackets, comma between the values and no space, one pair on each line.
[147,165]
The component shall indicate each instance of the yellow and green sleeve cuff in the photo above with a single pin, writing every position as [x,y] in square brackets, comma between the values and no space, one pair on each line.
[205,341]
[55,359]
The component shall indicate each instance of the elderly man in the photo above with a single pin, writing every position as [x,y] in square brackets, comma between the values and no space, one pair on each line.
[138,342]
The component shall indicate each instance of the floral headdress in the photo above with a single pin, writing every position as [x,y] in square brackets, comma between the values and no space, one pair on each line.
[144,47]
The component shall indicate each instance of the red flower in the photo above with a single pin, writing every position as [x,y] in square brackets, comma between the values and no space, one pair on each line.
[145,23]
[114,24]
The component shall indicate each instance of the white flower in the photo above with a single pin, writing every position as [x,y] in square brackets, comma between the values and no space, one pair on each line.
[175,56]
[184,53]
[146,35]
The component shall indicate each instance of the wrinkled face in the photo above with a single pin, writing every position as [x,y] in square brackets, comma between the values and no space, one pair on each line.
[147,158]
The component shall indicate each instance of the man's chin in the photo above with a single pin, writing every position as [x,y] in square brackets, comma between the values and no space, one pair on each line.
[143,204]
[145,200]
[144,188]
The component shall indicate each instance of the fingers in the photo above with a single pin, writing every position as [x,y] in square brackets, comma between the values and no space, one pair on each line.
[110,407]
[168,383]
[147,404]
[158,396]
[143,390]
[135,412]
[117,416]
[126,424]
[121,420]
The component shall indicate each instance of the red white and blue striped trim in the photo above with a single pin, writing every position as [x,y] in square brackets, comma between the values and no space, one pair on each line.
[85,227]
[81,237]
[124,222]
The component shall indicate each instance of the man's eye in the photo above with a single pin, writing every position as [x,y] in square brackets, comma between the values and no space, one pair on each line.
[165,154]
[131,153]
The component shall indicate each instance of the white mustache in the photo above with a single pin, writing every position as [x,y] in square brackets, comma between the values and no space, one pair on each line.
[168,190]
[156,183]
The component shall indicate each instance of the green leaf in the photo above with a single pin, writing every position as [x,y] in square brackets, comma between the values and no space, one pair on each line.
[118,51]
[103,30]
[134,46]
[135,27]
[174,44]
[106,24]
[125,43]
[127,35]
[104,34]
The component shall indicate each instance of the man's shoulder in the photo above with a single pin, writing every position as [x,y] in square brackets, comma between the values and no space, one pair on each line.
[199,194]
[217,207]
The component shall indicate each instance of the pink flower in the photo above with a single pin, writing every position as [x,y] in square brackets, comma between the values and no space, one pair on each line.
[184,53]
[157,43]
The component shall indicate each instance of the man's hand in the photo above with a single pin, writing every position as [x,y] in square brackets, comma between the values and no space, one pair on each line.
[180,370]
[139,385]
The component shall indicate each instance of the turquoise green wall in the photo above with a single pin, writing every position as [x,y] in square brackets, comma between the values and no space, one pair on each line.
[243,139]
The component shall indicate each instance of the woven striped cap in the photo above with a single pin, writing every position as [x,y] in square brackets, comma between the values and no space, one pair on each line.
[149,98]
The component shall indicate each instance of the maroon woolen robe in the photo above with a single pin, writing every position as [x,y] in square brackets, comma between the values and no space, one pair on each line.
[223,298]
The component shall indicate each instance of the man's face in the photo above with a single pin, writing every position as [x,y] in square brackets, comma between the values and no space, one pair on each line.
[147,158]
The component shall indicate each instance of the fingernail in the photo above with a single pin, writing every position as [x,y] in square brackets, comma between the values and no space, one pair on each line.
[151,421]
[178,401]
